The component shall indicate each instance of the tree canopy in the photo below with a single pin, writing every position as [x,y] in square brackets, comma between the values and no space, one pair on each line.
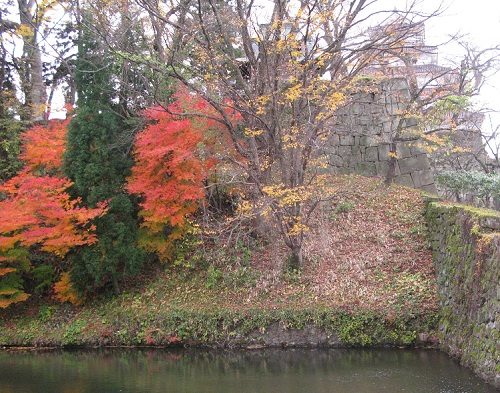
[37,210]
[286,68]
[177,101]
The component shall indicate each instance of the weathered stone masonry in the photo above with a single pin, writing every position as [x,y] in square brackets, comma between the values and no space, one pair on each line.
[466,248]
[465,241]
[360,142]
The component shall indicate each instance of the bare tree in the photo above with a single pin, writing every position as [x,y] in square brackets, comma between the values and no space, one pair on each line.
[30,28]
[492,142]
[286,67]
[32,84]
[467,143]
[287,74]
[438,111]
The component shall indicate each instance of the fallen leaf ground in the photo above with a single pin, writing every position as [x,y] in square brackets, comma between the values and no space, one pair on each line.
[366,250]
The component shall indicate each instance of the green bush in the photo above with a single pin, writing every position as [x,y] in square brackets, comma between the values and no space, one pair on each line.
[476,186]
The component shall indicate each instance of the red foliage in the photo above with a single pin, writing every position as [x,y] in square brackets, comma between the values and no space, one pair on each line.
[36,209]
[167,174]
[44,146]
[216,139]
[172,157]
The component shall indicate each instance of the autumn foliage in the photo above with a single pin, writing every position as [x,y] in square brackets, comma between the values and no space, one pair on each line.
[37,210]
[168,175]
[64,290]
[173,156]
[43,147]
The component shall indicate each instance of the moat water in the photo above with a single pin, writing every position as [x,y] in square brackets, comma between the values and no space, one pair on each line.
[235,371]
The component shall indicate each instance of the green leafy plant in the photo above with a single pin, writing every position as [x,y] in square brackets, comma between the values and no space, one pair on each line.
[472,185]
[46,312]
[345,206]
[214,275]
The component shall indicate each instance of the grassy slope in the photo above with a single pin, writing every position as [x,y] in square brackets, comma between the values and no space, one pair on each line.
[368,276]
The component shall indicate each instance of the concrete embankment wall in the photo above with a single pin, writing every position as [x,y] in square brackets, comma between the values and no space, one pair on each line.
[466,247]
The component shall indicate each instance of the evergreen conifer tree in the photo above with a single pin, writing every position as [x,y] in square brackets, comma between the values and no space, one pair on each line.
[98,160]
[10,127]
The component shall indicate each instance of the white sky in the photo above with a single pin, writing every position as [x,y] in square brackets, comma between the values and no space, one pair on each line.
[478,20]
[479,23]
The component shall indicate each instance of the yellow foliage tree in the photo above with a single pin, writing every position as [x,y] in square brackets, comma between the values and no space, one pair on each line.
[286,68]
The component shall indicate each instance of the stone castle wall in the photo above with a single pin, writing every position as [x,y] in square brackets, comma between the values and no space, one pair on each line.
[466,250]
[361,140]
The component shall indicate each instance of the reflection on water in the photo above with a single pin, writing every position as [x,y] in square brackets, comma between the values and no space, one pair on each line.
[241,371]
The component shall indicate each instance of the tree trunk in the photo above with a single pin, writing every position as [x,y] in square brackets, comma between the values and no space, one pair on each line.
[296,258]
[391,173]
[35,94]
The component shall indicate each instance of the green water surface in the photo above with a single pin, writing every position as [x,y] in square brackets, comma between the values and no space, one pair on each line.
[235,371]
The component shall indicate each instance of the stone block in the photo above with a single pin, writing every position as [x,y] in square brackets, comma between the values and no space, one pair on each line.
[353,160]
[366,141]
[378,117]
[411,123]
[371,154]
[417,150]
[388,127]
[334,140]
[367,169]
[344,151]
[415,163]
[404,180]
[383,152]
[335,160]
[346,140]
[358,152]
[382,168]
[422,178]
[416,179]
[403,150]
[357,109]
[365,119]
[346,170]
[375,130]
[490,222]
[395,84]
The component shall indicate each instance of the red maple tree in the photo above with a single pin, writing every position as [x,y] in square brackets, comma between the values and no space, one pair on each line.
[43,147]
[173,156]
[37,210]
[169,177]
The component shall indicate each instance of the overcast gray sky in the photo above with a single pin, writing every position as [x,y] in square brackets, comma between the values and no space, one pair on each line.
[478,18]
[479,22]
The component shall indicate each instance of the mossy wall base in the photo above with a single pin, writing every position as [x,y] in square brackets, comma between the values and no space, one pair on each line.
[466,249]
